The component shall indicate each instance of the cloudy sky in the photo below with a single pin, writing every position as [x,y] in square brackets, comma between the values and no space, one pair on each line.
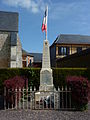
[65,17]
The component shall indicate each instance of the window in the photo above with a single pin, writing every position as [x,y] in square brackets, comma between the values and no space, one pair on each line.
[63,50]
[79,49]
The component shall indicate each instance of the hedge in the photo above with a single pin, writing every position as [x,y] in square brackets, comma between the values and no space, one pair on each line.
[33,75]
[60,74]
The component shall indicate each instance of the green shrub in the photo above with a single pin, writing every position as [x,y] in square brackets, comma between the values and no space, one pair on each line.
[60,74]
[33,75]
[16,82]
[79,87]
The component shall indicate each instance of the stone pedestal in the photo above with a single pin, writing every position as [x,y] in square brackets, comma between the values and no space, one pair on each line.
[46,80]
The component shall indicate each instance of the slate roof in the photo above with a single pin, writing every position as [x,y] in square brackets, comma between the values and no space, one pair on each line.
[72,39]
[9,21]
[37,57]
[24,52]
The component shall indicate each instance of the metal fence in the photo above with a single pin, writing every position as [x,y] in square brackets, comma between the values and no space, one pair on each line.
[31,99]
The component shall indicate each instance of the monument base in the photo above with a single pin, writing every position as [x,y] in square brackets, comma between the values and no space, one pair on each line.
[46,88]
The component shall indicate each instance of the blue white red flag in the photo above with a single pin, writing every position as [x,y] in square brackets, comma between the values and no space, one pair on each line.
[44,24]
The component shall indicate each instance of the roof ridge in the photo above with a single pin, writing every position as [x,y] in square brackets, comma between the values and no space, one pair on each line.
[72,39]
[74,35]
[35,53]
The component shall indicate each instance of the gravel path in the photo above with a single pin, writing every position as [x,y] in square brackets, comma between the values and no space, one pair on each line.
[43,115]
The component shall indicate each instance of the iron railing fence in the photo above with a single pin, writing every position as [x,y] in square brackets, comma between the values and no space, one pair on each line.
[31,99]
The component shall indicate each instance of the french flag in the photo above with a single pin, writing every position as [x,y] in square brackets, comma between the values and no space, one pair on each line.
[44,24]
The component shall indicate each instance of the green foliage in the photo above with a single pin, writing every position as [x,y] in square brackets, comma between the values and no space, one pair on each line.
[60,74]
[33,75]
[79,87]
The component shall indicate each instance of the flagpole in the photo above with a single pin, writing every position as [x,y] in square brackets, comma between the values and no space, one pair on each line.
[46,21]
[44,24]
[46,34]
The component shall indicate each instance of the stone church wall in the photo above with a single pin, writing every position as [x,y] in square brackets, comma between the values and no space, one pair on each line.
[4,49]
[10,56]
[19,53]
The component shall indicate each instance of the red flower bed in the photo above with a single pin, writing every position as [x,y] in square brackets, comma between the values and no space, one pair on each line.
[79,86]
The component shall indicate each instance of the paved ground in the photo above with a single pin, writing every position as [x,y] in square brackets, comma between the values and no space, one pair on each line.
[43,115]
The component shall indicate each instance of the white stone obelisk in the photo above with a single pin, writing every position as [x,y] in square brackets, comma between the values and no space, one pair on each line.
[46,79]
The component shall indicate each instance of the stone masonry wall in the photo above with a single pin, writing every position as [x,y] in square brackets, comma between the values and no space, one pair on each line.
[19,53]
[4,49]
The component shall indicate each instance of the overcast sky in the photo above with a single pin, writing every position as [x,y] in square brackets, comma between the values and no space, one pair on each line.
[65,17]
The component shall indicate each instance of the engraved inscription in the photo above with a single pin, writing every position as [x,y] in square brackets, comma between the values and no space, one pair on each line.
[46,77]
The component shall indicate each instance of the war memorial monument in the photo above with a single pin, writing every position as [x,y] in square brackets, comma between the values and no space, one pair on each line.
[46,79]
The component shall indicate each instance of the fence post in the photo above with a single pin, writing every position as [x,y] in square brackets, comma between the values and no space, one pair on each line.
[12,94]
[16,98]
[50,102]
[66,95]
[23,98]
[34,97]
[58,98]
[19,98]
[27,96]
[8,95]
[70,96]
[62,98]
[39,102]
[31,97]
[54,100]
[5,98]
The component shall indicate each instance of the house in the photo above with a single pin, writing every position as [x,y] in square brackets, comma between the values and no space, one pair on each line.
[27,59]
[37,62]
[66,44]
[76,60]
[10,45]
[31,59]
